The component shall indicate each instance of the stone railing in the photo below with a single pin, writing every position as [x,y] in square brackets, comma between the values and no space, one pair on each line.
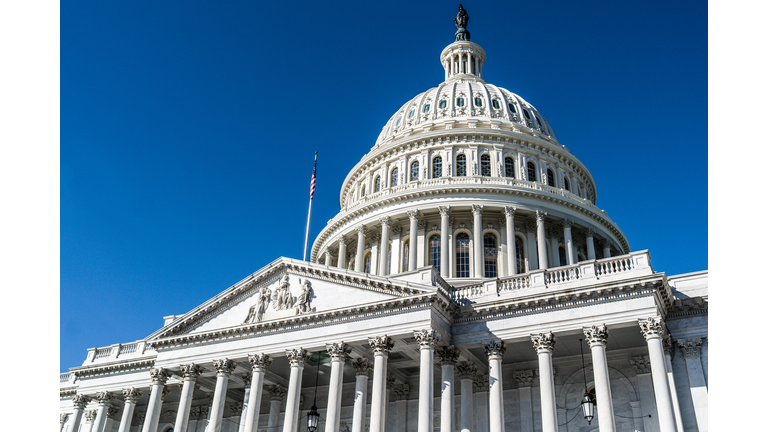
[113,352]
[64,378]
[614,268]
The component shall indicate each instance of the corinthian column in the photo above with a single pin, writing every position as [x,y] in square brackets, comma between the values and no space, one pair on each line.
[509,215]
[259,365]
[495,351]
[448,357]
[401,405]
[342,261]
[671,378]
[566,223]
[338,353]
[381,347]
[276,396]
[130,396]
[362,368]
[79,401]
[297,358]
[653,329]
[541,239]
[691,350]
[544,343]
[597,337]
[426,339]
[413,216]
[467,373]
[105,398]
[444,212]
[360,248]
[190,372]
[224,369]
[384,261]
[590,243]
[62,420]
[524,380]
[159,377]
[477,227]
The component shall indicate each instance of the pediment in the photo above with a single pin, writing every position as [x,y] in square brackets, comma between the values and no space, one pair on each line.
[288,289]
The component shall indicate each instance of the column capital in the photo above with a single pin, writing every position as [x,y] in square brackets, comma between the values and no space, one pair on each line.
[422,225]
[597,335]
[111,411]
[276,392]
[90,415]
[362,366]
[667,341]
[191,371]
[603,243]
[589,232]
[540,215]
[401,391]
[104,397]
[397,230]
[502,222]
[159,376]
[390,380]
[642,364]
[224,367]
[652,328]
[477,209]
[509,211]
[338,351]
[427,338]
[444,210]
[132,394]
[166,390]
[566,223]
[246,379]
[495,348]
[360,229]
[413,214]
[204,409]
[297,357]
[524,377]
[530,226]
[381,345]
[448,355]
[236,408]
[342,241]
[80,400]
[691,348]
[543,342]
[480,383]
[385,221]
[63,418]
[259,362]
[466,370]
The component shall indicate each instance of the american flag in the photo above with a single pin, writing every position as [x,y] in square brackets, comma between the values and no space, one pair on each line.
[312,185]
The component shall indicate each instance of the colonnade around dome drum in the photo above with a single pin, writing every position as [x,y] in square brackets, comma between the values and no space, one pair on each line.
[455,228]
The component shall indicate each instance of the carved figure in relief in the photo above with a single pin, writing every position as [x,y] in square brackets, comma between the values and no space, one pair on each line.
[256,312]
[281,296]
[302,302]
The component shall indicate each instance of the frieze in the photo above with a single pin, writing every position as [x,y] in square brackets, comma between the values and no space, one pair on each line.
[113,368]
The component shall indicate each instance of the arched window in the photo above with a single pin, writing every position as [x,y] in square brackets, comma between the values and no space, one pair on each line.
[519,255]
[512,108]
[434,252]
[509,167]
[367,261]
[563,258]
[406,254]
[550,177]
[462,255]
[485,165]
[393,178]
[377,184]
[567,184]
[437,167]
[362,191]
[525,112]
[426,108]
[415,171]
[443,103]
[490,252]
[461,165]
[531,172]
[495,104]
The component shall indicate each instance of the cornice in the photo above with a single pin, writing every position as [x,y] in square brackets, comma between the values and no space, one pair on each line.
[67,392]
[251,284]
[565,299]
[114,367]
[686,307]
[437,301]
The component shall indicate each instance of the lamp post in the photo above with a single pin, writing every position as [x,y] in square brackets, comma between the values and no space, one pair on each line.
[313,417]
[587,404]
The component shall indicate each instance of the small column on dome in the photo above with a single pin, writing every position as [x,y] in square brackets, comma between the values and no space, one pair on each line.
[360,248]
[590,244]
[341,262]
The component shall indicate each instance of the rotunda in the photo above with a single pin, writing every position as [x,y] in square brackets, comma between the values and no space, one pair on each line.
[469,178]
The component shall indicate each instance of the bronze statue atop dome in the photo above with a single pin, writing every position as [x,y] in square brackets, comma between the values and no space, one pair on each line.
[461,24]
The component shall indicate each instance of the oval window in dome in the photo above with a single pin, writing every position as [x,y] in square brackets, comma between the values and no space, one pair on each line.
[410,114]
[460,102]
[401,117]
[426,108]
[511,107]
[528,116]
[478,102]
[496,104]
[443,104]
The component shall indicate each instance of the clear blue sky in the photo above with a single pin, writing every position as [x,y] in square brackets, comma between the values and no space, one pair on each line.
[188,130]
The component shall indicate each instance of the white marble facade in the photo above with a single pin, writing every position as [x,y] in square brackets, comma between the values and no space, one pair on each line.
[453,295]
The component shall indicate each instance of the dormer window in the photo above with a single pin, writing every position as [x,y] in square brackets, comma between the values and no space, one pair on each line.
[525,112]
[426,108]
[460,102]
[478,102]
[443,104]
[512,107]
[495,103]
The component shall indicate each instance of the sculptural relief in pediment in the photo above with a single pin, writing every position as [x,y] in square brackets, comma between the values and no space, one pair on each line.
[280,298]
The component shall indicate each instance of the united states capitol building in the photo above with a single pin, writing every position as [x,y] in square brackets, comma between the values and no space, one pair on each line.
[469,282]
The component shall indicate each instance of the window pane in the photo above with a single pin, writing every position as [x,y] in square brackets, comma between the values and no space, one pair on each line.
[567,184]
[512,107]
[478,102]
[377,184]
[490,254]
[509,167]
[367,261]
[531,172]
[426,108]
[462,255]
[461,165]
[406,253]
[485,165]
[410,114]
[563,259]
[443,104]
[437,167]
[415,171]
[496,103]
[393,181]
[362,191]
[398,121]
[434,252]
[550,178]
[460,102]
[519,257]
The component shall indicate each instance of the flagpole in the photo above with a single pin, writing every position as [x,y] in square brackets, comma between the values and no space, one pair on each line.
[309,214]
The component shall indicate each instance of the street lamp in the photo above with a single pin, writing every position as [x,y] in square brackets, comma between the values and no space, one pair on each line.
[587,404]
[313,417]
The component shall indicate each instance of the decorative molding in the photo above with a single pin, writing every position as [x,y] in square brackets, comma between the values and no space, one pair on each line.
[104,397]
[480,383]
[385,221]
[90,415]
[413,214]
[444,210]
[477,209]
[566,223]
[224,367]
[132,395]
[597,335]
[540,215]
[690,348]
[113,368]
[63,418]
[390,380]
[543,342]
[166,390]
[642,364]
[80,401]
